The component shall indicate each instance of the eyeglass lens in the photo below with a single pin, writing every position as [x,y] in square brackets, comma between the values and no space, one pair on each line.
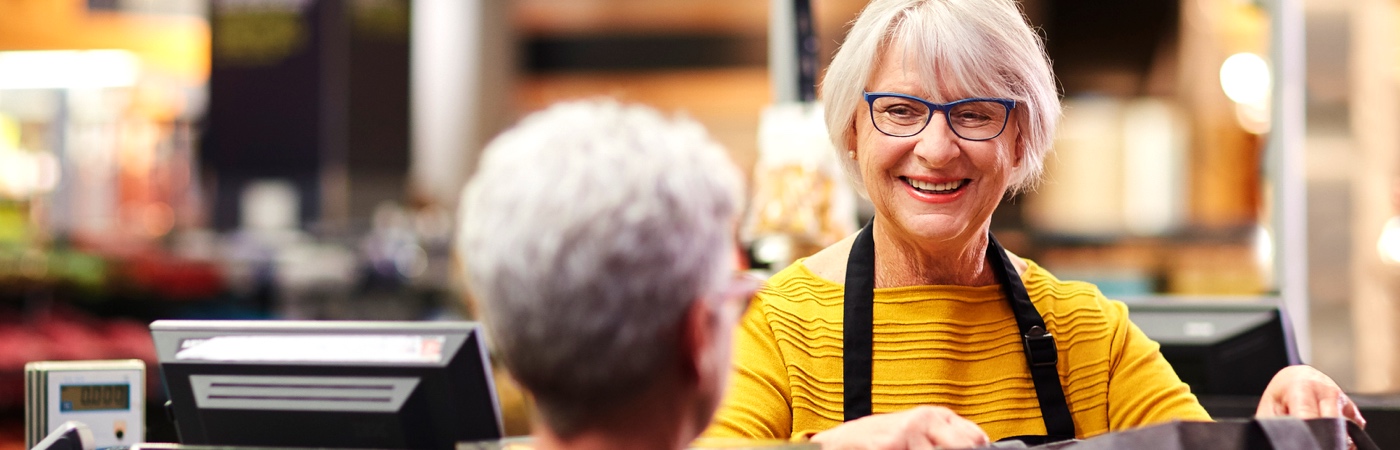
[971,119]
[741,290]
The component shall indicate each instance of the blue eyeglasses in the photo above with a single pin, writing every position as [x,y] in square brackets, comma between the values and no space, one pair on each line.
[973,119]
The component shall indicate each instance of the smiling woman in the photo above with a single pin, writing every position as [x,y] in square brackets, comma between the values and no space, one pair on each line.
[921,330]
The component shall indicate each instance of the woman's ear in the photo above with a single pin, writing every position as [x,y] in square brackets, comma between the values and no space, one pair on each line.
[1018,149]
[1019,155]
[697,335]
[851,134]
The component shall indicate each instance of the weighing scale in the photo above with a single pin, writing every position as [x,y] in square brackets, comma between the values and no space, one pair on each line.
[107,396]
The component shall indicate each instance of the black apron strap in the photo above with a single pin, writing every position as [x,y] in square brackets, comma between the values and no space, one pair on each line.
[1041,352]
[858,324]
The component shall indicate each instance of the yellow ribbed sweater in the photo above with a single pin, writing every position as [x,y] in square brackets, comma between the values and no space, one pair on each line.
[950,346]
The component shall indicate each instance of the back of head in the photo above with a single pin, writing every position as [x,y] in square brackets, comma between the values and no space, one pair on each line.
[587,232]
[970,48]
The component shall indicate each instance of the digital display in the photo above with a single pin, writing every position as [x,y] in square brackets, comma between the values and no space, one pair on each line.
[94,397]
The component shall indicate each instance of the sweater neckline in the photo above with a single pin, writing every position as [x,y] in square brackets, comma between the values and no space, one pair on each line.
[1033,272]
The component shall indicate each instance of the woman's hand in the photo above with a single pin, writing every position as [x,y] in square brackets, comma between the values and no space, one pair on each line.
[924,427]
[1306,393]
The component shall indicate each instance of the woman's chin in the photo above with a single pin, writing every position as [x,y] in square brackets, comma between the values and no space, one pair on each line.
[935,227]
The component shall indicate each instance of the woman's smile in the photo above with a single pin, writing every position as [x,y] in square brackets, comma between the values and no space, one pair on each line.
[936,191]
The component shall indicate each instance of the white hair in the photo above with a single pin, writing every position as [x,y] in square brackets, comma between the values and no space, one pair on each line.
[587,232]
[975,48]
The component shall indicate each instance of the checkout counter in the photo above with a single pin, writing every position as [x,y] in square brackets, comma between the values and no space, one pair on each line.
[311,384]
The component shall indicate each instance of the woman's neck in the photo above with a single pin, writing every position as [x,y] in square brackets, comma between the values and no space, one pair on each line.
[660,418]
[906,262]
[637,438]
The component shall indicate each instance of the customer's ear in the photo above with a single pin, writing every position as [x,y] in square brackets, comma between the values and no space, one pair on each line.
[698,334]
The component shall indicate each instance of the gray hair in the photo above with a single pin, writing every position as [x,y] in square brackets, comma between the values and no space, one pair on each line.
[980,48]
[588,231]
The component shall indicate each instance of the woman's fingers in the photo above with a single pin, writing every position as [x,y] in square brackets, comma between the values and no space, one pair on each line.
[1270,406]
[1352,412]
[948,430]
[921,428]
[1301,401]
[1306,393]
[1329,403]
[977,437]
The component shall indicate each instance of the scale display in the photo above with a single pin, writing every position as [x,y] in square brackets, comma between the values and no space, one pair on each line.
[106,396]
[94,397]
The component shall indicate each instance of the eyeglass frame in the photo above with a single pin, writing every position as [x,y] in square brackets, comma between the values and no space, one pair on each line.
[739,291]
[870,98]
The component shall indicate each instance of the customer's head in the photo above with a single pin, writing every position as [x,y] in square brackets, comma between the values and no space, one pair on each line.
[599,239]
[954,49]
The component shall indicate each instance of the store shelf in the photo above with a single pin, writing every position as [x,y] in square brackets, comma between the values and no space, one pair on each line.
[552,17]
[727,101]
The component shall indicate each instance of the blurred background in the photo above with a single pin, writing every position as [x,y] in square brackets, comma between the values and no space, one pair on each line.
[301,159]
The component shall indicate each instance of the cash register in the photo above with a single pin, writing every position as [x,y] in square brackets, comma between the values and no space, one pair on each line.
[327,384]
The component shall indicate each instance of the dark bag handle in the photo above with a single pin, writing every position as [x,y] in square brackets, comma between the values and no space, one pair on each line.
[1287,433]
[1360,438]
[1282,433]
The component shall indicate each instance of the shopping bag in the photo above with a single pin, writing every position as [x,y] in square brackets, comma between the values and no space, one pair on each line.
[1282,433]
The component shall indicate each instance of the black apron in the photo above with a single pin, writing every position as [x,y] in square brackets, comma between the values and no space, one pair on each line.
[1041,354]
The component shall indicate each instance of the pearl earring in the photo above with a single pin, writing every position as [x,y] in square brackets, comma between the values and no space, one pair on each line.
[851,153]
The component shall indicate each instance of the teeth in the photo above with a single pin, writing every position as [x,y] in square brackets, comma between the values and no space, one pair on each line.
[937,187]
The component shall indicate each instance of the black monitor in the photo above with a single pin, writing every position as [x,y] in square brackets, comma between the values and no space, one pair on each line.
[1224,346]
[391,385]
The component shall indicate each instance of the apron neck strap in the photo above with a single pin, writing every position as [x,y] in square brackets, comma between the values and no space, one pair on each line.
[1039,345]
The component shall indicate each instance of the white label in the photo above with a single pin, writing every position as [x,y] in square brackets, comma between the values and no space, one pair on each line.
[302,348]
[1198,329]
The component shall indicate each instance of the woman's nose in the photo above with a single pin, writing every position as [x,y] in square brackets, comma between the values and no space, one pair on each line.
[937,144]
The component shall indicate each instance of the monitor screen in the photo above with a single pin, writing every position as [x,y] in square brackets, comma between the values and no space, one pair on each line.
[1225,346]
[410,385]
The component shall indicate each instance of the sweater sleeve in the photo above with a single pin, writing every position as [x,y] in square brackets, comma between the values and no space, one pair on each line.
[1143,388]
[757,404]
